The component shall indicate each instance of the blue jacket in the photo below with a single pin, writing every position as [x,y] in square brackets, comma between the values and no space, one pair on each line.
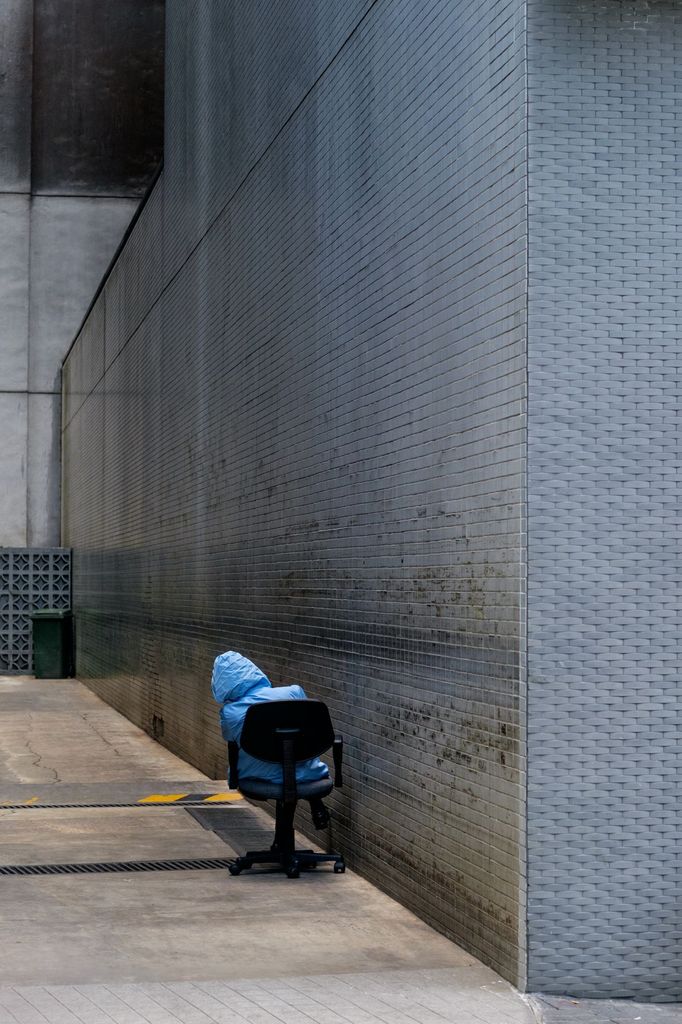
[237,684]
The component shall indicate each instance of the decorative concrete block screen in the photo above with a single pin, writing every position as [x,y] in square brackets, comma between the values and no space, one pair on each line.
[30,579]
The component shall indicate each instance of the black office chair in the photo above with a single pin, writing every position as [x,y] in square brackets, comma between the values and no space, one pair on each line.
[286,732]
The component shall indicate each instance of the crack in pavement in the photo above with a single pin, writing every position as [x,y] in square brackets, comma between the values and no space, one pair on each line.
[84,716]
[38,762]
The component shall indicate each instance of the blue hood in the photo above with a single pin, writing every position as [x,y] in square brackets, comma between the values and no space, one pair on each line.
[233,677]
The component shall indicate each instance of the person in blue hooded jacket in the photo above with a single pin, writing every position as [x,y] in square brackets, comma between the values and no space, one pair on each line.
[236,684]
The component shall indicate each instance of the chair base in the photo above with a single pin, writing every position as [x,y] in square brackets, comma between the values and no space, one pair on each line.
[283,851]
[293,862]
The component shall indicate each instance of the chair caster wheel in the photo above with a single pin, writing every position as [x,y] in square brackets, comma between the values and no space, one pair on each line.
[339,867]
[234,869]
[293,869]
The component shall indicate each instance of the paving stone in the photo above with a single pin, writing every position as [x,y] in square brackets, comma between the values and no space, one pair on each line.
[373,997]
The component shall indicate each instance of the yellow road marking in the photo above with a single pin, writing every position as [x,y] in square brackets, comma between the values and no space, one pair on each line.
[152,798]
[162,798]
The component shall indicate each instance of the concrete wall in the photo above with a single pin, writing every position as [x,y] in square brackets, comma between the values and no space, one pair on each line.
[605,318]
[294,423]
[80,138]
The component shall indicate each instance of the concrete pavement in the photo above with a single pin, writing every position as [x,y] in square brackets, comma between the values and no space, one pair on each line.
[189,946]
[198,946]
[564,1010]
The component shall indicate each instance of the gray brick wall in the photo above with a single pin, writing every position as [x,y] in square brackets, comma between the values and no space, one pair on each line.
[605,212]
[294,423]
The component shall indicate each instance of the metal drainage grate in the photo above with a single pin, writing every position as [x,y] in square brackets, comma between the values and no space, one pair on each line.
[112,867]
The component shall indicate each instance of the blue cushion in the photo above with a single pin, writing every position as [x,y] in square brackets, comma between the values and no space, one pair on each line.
[263,789]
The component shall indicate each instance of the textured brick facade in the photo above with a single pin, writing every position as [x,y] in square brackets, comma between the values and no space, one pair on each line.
[294,423]
[605,318]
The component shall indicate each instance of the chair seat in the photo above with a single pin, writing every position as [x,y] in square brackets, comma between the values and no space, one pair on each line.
[259,789]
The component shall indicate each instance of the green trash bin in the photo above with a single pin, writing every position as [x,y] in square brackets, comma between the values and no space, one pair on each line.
[52,643]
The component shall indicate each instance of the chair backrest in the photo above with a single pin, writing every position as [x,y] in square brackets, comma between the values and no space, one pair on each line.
[305,722]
